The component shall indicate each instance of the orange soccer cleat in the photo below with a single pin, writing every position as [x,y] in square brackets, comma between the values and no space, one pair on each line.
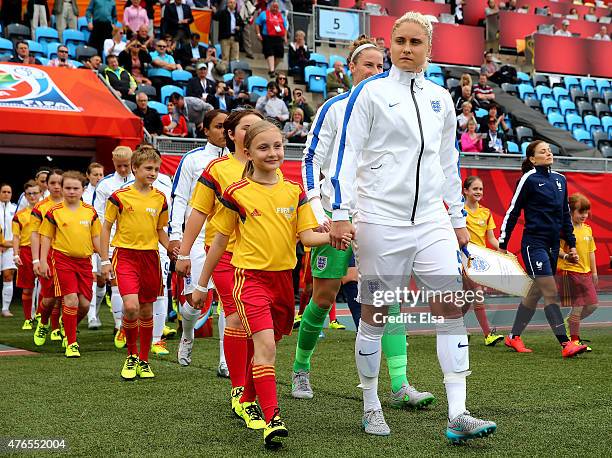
[571,348]
[516,343]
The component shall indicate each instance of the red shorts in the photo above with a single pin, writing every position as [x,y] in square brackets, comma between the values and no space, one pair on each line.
[72,275]
[223,277]
[47,285]
[25,272]
[576,289]
[138,272]
[264,300]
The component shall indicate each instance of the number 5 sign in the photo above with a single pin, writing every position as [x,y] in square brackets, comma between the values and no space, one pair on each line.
[338,25]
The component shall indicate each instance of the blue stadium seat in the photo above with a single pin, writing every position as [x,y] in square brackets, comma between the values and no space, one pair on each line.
[543,92]
[550,106]
[592,123]
[43,60]
[36,49]
[602,85]
[574,121]
[561,93]
[181,76]
[586,83]
[257,85]
[570,81]
[82,26]
[168,89]
[434,70]
[73,38]
[228,77]
[481,113]
[160,107]
[512,147]
[526,90]
[436,79]
[567,106]
[218,48]
[316,80]
[76,63]
[557,120]
[583,136]
[606,123]
[319,59]
[6,46]
[523,77]
[52,50]
[46,35]
[524,146]
[333,58]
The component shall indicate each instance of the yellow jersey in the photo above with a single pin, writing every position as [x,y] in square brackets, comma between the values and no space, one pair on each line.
[22,227]
[585,245]
[39,211]
[138,215]
[266,220]
[71,231]
[478,223]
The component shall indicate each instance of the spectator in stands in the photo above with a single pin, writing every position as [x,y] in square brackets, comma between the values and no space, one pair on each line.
[93,63]
[295,131]
[66,13]
[483,93]
[200,86]
[119,79]
[115,45]
[134,59]
[602,34]
[300,102]
[299,56]
[177,18]
[471,141]
[144,37]
[22,54]
[10,12]
[271,106]
[495,113]
[101,15]
[494,141]
[150,116]
[358,5]
[337,81]
[573,14]
[491,8]
[190,54]
[457,5]
[193,108]
[62,59]
[489,67]
[466,96]
[564,30]
[216,67]
[463,117]
[134,17]
[170,44]
[284,89]
[222,98]
[164,63]
[174,125]
[508,6]
[230,31]
[380,42]
[38,12]
[239,88]
[466,80]
[248,11]
[271,27]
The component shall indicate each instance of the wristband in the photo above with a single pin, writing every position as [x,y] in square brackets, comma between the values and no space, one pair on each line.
[35,261]
[16,256]
[180,257]
[201,289]
[105,263]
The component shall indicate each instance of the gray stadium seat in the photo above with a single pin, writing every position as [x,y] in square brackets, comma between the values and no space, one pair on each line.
[524,134]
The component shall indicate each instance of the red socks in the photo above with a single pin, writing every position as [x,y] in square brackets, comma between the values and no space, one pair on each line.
[130,327]
[235,349]
[332,312]
[55,315]
[265,385]
[574,326]
[69,317]
[481,316]
[145,326]
[26,300]
[45,313]
[248,395]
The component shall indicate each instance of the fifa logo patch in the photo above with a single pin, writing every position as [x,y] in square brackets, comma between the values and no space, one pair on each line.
[287,211]
[152,211]
[321,262]
[84,222]
[436,106]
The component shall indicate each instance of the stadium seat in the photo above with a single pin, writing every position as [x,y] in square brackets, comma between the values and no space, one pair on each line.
[583,136]
[600,137]
[602,109]
[17,32]
[607,94]
[602,85]
[451,83]
[228,77]
[585,108]
[181,77]
[526,90]
[316,78]
[218,48]
[523,77]
[130,105]
[550,106]
[524,134]
[557,120]
[540,80]
[524,146]
[594,96]
[319,59]
[543,92]
[160,107]
[168,90]
[586,83]
[510,88]
[6,46]
[333,58]
[436,79]
[534,103]
[481,113]
[574,121]
[36,49]
[46,35]
[606,151]
[577,95]
[147,89]
[52,50]
[43,60]
[74,39]
[257,85]
[567,106]
[606,123]
[592,123]
[84,52]
[82,26]
[570,81]
[240,64]
[512,148]
[561,93]
[78,64]
[434,70]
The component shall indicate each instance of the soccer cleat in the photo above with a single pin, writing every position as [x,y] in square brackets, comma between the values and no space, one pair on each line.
[492,339]
[275,430]
[581,342]
[72,351]
[184,352]
[237,407]
[129,367]
[222,370]
[300,385]
[169,333]
[64,342]
[572,348]
[373,422]
[120,339]
[252,416]
[143,370]
[159,348]
[107,299]
[516,343]
[27,325]
[37,317]
[297,320]
[335,324]
[94,324]
[409,396]
[464,427]
[7,314]
[56,335]
[41,333]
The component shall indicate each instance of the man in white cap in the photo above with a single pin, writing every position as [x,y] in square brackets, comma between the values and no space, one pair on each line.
[564,30]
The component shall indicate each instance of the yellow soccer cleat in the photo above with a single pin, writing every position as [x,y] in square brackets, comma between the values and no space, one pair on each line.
[297,321]
[56,335]
[143,370]
[27,325]
[274,431]
[120,339]
[168,332]
[335,324]
[492,339]
[235,399]
[41,333]
[72,351]
[159,348]
[252,416]
[128,372]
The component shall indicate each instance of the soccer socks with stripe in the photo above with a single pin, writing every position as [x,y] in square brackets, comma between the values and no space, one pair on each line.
[367,358]
[249,393]
[130,327]
[160,309]
[116,306]
[145,328]
[69,318]
[7,295]
[522,319]
[190,316]
[555,320]
[394,348]
[26,301]
[235,343]
[308,335]
[481,316]
[573,321]
[350,293]
[221,326]
[265,385]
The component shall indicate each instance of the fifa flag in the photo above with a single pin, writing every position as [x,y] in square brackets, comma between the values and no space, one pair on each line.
[496,270]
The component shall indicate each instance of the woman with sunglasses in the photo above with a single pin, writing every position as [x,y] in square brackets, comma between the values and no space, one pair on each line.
[284,90]
[113,46]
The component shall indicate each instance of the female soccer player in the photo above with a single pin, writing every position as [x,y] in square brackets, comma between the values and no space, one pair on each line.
[579,279]
[72,229]
[541,194]
[23,251]
[205,203]
[397,150]
[480,226]
[268,213]
[141,213]
[50,305]
[7,261]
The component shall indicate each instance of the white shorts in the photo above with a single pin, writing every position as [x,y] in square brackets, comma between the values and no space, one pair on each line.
[197,255]
[95,263]
[387,256]
[7,260]
[165,266]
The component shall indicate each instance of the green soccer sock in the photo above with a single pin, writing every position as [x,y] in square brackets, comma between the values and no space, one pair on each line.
[394,348]
[308,335]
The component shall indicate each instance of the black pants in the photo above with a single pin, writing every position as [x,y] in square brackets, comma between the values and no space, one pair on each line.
[101,31]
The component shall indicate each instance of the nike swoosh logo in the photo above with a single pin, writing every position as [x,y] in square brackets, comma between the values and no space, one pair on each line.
[461,346]
[391,105]
[541,184]
[367,354]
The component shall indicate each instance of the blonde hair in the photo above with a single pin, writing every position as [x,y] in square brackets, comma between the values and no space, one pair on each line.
[466,79]
[253,131]
[361,40]
[299,111]
[122,152]
[144,153]
[416,18]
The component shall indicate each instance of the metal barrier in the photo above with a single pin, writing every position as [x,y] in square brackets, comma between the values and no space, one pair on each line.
[303,22]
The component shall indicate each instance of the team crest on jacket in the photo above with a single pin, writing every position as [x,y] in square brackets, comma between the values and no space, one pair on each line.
[436,106]
[321,262]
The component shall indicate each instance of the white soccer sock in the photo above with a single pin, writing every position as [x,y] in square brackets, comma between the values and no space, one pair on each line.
[35,294]
[190,316]
[453,356]
[367,359]
[160,309]
[100,293]
[92,312]
[7,295]
[116,306]
[221,326]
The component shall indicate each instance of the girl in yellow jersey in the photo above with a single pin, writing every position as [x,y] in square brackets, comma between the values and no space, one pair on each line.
[72,229]
[480,225]
[268,214]
[578,280]
[205,203]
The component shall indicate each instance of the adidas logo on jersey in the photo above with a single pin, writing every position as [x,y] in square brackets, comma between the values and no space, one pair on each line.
[255,213]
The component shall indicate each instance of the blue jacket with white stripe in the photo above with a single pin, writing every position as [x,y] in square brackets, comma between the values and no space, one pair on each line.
[542,196]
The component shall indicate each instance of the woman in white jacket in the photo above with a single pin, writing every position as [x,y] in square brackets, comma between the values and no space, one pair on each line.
[396,166]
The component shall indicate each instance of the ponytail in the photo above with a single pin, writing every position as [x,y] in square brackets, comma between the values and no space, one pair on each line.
[249,169]
[527,165]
